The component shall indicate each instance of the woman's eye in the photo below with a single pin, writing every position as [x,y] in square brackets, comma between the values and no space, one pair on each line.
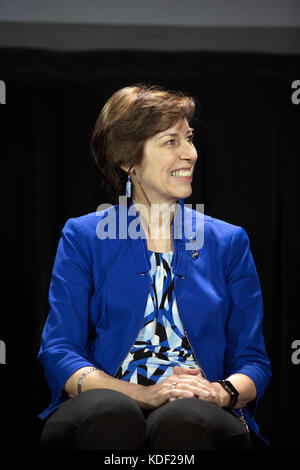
[190,139]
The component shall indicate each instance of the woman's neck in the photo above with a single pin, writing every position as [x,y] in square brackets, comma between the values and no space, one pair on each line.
[156,219]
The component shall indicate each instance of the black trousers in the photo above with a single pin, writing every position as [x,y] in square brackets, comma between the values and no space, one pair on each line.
[109,420]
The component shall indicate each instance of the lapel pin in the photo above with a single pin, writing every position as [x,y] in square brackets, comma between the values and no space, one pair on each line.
[195,253]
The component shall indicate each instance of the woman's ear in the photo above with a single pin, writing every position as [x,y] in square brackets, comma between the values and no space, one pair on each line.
[124,168]
[128,169]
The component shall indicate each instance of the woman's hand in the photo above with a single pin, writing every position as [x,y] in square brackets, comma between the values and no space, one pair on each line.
[188,384]
[216,393]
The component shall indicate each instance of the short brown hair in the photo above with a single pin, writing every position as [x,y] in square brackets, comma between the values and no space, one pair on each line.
[130,116]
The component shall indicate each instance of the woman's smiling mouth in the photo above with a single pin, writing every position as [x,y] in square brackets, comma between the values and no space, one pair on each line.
[183,175]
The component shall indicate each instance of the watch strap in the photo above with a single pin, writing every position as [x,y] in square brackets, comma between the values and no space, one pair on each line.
[232,391]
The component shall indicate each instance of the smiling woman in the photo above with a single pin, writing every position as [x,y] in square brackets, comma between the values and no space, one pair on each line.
[132,318]
[143,132]
[163,177]
[165,173]
[135,117]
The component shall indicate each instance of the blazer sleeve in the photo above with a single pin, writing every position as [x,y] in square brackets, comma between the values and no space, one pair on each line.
[64,337]
[245,351]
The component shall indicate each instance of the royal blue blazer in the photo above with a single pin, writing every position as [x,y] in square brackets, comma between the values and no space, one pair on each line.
[100,286]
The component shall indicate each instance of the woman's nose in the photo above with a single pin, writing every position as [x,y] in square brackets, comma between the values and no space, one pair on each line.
[192,156]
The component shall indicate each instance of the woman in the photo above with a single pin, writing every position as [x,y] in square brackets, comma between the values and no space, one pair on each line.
[154,336]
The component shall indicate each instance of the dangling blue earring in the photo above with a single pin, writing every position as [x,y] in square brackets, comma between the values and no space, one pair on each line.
[128,187]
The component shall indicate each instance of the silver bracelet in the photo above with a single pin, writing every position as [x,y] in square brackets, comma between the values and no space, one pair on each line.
[83,375]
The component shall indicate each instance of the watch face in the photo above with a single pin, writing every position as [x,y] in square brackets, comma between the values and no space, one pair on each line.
[233,391]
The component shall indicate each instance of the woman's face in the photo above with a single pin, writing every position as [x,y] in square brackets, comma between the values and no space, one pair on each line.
[166,152]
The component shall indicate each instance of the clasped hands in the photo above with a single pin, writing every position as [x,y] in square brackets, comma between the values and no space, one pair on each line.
[187,383]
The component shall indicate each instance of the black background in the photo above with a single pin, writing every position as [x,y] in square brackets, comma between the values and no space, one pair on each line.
[248,141]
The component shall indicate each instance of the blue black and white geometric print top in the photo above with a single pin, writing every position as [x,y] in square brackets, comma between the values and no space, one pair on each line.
[161,343]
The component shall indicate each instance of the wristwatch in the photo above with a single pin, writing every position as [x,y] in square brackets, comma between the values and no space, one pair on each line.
[233,393]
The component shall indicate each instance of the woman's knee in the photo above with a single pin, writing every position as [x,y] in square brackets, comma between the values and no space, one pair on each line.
[104,402]
[192,418]
[95,415]
[95,402]
[178,414]
[175,425]
[115,421]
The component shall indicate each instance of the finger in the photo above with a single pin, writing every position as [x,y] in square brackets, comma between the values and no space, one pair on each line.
[196,380]
[186,389]
[185,383]
[200,391]
[193,380]
[186,370]
[188,382]
[176,393]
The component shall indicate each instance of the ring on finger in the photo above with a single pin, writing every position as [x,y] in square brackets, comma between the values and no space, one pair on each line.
[173,385]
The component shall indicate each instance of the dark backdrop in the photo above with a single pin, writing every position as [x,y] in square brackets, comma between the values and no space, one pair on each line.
[248,140]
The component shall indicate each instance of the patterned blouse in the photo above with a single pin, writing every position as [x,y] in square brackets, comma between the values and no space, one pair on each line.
[161,343]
